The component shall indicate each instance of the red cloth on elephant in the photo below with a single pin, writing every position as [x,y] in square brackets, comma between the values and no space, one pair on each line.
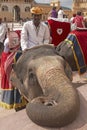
[4,81]
[59,30]
[10,96]
[81,36]
[78,40]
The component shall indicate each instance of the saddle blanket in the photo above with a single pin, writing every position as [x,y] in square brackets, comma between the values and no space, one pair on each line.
[78,38]
[59,30]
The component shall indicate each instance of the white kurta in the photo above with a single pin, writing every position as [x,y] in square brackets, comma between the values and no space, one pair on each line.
[31,37]
[3,30]
[60,13]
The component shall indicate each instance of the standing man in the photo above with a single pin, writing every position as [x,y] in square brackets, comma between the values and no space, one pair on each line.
[60,13]
[34,32]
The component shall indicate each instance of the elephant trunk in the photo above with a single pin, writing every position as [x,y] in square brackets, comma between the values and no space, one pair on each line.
[59,105]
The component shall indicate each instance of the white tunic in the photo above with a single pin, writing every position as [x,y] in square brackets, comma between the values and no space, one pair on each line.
[30,36]
[3,30]
[60,13]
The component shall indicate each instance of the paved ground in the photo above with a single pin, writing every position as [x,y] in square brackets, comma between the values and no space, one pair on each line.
[11,120]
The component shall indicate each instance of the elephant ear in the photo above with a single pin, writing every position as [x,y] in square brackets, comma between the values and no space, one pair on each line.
[68,71]
[13,77]
[17,83]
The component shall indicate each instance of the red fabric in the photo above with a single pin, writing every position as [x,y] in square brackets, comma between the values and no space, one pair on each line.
[0,61]
[18,32]
[8,64]
[9,61]
[78,20]
[6,61]
[4,80]
[59,30]
[10,96]
[82,39]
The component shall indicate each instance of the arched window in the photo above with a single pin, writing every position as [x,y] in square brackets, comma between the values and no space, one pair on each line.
[4,8]
[27,9]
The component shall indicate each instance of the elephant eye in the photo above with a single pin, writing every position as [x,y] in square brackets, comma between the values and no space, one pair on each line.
[31,75]
[30,70]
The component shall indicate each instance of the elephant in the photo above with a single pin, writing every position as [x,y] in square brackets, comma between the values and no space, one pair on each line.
[45,79]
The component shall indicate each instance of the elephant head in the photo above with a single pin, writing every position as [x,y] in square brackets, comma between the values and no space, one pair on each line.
[44,78]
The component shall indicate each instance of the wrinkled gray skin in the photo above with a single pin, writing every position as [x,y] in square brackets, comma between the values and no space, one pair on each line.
[44,78]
